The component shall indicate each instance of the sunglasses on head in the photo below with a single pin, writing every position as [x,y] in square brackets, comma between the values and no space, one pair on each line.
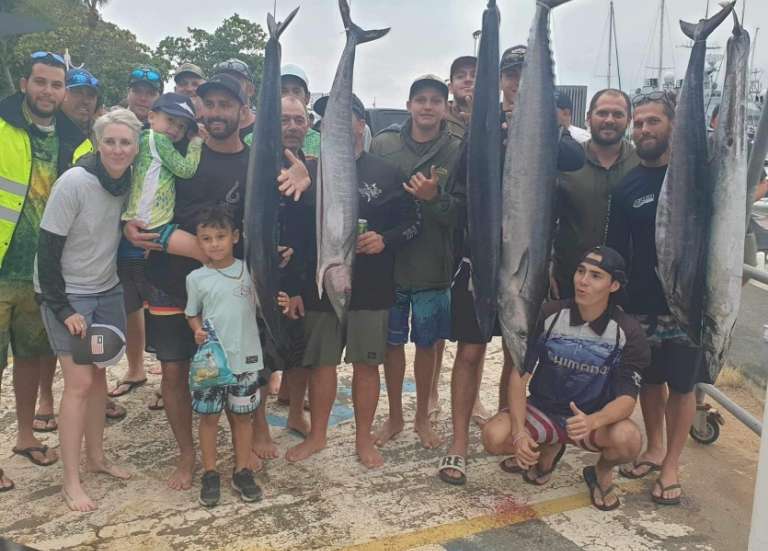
[49,55]
[145,74]
[657,95]
[82,78]
[232,65]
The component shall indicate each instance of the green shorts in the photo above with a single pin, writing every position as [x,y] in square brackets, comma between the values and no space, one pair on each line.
[365,338]
[21,325]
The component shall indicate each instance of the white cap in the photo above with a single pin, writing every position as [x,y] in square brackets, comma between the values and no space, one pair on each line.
[295,71]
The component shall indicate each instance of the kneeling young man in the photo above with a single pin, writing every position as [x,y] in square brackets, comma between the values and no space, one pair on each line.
[585,362]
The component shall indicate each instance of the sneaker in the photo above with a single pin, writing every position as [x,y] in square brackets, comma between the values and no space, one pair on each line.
[245,485]
[210,490]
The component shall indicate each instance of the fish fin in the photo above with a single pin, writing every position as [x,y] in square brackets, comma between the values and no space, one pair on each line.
[361,34]
[491,4]
[705,27]
[275,28]
[522,268]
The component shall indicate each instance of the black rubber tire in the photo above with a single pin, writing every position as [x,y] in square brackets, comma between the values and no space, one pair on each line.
[710,436]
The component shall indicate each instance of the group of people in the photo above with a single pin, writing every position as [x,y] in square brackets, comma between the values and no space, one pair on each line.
[128,221]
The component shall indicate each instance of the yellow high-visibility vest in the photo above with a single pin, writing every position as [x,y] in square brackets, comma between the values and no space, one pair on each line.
[15,171]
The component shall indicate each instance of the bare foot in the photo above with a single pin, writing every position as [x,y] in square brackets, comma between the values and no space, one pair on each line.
[367,452]
[263,447]
[300,425]
[480,415]
[155,369]
[429,438]
[181,479]
[255,463]
[302,451]
[105,467]
[387,431]
[77,500]
[274,383]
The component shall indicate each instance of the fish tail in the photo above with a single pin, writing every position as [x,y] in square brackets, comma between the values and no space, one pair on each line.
[361,34]
[705,27]
[548,3]
[275,28]
[737,28]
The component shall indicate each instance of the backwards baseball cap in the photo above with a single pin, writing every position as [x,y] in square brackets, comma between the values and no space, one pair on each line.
[103,346]
[295,71]
[80,77]
[223,81]
[234,66]
[461,61]
[610,261]
[357,106]
[147,74]
[428,80]
[513,57]
[188,69]
[178,106]
[563,101]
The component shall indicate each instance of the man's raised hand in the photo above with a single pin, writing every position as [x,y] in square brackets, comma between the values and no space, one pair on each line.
[294,180]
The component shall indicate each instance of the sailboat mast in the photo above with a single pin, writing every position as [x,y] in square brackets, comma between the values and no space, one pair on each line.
[661,45]
[610,43]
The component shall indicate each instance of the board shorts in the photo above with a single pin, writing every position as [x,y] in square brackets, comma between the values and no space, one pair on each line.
[364,338]
[548,429]
[134,282]
[675,360]
[430,317]
[106,308]
[242,398]
[168,334]
[464,327]
[21,325]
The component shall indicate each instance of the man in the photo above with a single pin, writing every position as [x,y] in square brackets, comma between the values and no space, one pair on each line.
[585,364]
[145,85]
[36,145]
[242,73]
[294,82]
[424,149]
[583,196]
[220,179]
[188,78]
[676,363]
[470,352]
[564,105]
[81,99]
[462,88]
[393,219]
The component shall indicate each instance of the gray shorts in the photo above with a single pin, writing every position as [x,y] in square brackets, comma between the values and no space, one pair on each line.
[107,308]
[365,338]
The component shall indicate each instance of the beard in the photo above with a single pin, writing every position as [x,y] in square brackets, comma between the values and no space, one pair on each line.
[654,152]
[230,127]
[36,111]
[599,140]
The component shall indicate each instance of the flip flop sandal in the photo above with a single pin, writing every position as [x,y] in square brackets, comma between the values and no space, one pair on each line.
[590,477]
[539,474]
[628,472]
[660,499]
[158,405]
[132,385]
[6,488]
[457,463]
[120,414]
[509,465]
[27,452]
[46,418]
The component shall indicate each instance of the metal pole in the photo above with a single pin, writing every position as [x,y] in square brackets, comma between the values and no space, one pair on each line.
[616,44]
[661,45]
[610,44]
[758,536]
[754,273]
[737,411]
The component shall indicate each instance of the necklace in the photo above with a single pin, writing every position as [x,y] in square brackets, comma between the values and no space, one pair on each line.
[238,277]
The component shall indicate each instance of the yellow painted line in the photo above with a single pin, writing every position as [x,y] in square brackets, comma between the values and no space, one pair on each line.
[514,514]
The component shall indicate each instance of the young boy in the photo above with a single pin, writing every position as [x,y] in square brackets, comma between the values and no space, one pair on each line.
[221,292]
[158,164]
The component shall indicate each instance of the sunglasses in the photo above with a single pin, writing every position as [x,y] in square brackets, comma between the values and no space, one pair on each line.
[145,74]
[82,79]
[657,95]
[49,55]
[232,65]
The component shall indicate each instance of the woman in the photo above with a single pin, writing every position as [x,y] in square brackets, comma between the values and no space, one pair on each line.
[76,278]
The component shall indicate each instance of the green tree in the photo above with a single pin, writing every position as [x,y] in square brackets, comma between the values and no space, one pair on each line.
[235,37]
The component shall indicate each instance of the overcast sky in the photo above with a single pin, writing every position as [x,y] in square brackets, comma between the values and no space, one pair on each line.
[428,34]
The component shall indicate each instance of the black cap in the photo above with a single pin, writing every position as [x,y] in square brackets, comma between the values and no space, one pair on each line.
[563,101]
[462,60]
[513,57]
[610,261]
[177,105]
[428,80]
[103,346]
[223,81]
[357,106]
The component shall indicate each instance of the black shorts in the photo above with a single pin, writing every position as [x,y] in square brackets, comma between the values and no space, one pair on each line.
[134,281]
[464,327]
[169,337]
[678,365]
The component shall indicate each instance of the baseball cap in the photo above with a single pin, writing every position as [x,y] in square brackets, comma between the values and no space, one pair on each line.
[80,77]
[223,81]
[103,346]
[563,101]
[357,106]
[188,68]
[291,70]
[428,80]
[610,261]
[235,66]
[512,57]
[147,75]
[176,105]
[462,60]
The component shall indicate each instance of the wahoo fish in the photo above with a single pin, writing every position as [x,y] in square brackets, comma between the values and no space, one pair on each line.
[530,174]
[684,205]
[337,195]
[262,198]
[484,175]
[725,251]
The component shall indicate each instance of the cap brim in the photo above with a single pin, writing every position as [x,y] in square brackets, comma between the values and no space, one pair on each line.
[209,86]
[82,84]
[181,74]
[429,82]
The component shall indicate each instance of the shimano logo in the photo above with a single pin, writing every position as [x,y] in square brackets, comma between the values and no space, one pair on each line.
[568,363]
[650,198]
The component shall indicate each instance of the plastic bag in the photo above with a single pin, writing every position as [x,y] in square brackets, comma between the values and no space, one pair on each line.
[209,366]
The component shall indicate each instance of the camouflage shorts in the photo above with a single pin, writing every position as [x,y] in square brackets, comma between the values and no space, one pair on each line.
[21,325]
[662,328]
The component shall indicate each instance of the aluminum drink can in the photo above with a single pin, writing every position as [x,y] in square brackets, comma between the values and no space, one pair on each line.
[362,226]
